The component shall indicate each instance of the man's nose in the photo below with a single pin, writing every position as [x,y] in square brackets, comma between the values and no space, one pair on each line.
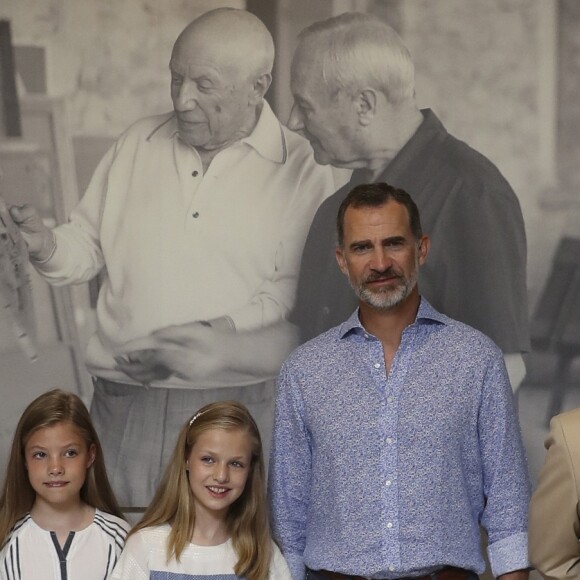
[185,96]
[295,121]
[380,260]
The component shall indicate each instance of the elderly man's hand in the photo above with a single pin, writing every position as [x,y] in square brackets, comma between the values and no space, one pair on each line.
[209,356]
[143,366]
[193,352]
[39,239]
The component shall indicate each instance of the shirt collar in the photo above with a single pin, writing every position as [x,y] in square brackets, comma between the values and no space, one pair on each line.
[427,130]
[431,128]
[267,138]
[425,315]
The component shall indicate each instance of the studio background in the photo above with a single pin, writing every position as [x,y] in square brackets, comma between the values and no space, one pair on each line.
[503,75]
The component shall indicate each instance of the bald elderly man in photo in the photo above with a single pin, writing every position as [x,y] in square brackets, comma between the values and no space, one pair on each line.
[196,220]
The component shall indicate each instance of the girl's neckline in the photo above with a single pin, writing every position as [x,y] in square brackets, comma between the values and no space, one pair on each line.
[205,546]
[89,524]
[193,544]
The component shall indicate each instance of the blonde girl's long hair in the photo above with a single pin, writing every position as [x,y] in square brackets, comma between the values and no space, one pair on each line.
[247,517]
[50,409]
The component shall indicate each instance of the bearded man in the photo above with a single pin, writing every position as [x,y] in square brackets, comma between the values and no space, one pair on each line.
[395,434]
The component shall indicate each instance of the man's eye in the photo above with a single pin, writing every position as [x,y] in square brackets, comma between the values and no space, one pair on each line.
[176,80]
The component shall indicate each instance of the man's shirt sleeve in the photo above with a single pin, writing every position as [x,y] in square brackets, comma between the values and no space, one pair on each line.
[290,473]
[477,270]
[78,256]
[505,475]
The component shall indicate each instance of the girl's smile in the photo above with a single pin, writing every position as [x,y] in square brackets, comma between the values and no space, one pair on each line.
[218,467]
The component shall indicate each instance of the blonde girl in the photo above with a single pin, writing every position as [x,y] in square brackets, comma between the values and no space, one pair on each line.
[59,519]
[209,515]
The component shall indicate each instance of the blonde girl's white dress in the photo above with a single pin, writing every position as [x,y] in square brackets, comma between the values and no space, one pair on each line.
[144,558]
[32,553]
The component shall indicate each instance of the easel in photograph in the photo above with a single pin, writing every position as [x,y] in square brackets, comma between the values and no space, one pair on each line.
[38,168]
[556,322]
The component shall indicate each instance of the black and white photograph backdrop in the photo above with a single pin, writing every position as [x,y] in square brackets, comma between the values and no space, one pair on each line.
[502,75]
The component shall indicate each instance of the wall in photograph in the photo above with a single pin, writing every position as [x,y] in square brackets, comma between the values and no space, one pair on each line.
[110,59]
[503,75]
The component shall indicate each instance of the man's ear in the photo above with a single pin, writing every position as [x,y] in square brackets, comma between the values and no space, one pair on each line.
[341,260]
[424,246]
[366,105]
[261,85]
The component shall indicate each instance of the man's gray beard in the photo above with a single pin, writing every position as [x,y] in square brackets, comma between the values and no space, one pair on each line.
[387,298]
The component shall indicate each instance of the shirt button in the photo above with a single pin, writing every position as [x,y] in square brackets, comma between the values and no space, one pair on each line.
[388,482]
[389,399]
[366,335]
[195,214]
[325,310]
[389,525]
[391,568]
[390,440]
[194,173]
[377,365]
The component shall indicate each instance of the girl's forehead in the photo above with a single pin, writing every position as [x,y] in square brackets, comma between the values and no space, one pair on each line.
[63,431]
[224,432]
[223,437]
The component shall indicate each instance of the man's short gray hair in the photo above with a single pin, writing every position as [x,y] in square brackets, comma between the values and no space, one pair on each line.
[359,49]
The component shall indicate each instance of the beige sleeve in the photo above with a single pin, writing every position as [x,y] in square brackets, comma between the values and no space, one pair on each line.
[554,526]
